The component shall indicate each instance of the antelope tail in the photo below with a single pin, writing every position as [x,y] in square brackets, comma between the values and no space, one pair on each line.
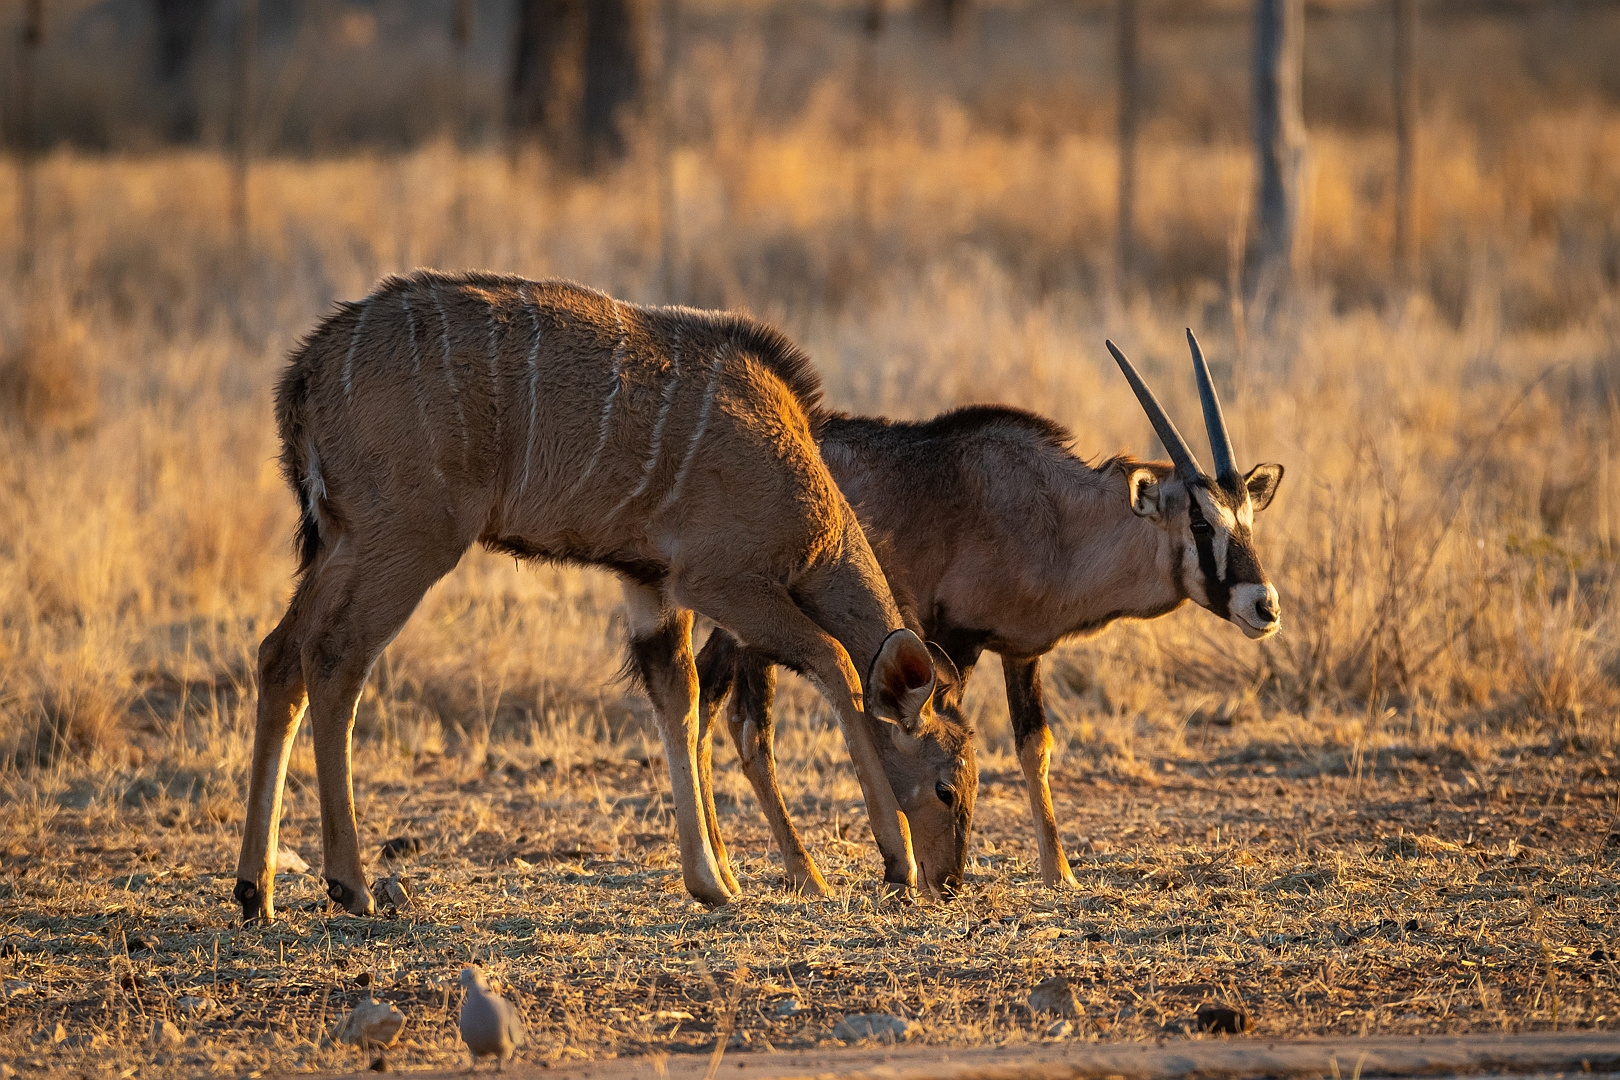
[300,463]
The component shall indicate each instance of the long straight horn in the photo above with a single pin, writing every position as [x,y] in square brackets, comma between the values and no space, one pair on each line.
[1220,441]
[1180,452]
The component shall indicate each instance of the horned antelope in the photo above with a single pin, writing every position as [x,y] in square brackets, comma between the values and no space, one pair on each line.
[546,420]
[1025,545]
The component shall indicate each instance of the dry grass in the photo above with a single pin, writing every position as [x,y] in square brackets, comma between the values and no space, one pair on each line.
[1408,826]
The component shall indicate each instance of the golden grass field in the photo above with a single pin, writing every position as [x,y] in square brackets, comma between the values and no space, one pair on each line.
[1399,815]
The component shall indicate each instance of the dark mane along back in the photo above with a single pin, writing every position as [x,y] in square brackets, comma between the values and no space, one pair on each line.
[965,421]
[767,345]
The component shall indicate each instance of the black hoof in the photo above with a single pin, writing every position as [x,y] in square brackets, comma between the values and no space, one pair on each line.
[253,907]
[340,893]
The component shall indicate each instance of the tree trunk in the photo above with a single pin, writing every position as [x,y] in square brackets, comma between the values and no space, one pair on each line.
[247,43]
[1406,114]
[613,78]
[669,20]
[548,42]
[1129,106]
[33,35]
[1279,138]
[946,16]
[576,74]
[180,32]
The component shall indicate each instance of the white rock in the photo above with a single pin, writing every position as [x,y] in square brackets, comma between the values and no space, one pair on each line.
[195,1006]
[289,861]
[165,1034]
[391,890]
[371,1023]
[1054,995]
[880,1026]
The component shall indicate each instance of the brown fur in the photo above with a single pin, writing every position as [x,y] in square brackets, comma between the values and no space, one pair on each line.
[1027,544]
[672,446]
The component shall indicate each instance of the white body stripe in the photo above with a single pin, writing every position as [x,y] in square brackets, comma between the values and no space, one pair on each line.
[416,385]
[450,375]
[354,339]
[314,482]
[607,406]
[534,396]
[697,435]
[670,389]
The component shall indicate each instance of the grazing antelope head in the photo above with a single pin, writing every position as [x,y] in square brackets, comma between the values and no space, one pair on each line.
[1213,518]
[929,759]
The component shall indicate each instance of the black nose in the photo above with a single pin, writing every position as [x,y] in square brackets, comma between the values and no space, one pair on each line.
[1267,610]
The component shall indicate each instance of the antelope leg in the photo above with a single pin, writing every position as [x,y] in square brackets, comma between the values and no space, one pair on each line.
[1033,740]
[764,616]
[366,604]
[711,820]
[661,649]
[725,666]
[281,706]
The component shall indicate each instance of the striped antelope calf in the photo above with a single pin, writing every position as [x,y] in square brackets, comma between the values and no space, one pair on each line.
[1026,545]
[548,421]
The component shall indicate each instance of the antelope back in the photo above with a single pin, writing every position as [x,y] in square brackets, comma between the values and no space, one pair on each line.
[551,420]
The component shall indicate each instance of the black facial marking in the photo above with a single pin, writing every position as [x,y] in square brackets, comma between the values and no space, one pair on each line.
[1218,590]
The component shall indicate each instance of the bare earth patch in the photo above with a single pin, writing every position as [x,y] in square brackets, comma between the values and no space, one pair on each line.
[1424,895]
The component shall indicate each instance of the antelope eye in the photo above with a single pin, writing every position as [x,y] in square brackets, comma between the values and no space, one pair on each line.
[1199,525]
[946,795]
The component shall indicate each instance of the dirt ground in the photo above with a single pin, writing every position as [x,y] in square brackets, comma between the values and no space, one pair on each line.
[1411,894]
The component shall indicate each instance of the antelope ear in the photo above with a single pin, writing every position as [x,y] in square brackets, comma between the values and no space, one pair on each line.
[1143,486]
[1262,483]
[902,683]
[948,680]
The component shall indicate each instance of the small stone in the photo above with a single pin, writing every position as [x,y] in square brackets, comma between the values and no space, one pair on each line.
[7,1072]
[1222,1019]
[57,1034]
[143,791]
[787,1007]
[17,987]
[165,1034]
[371,1023]
[1060,1030]
[881,1027]
[1054,995]
[289,861]
[192,1005]
[391,891]
[401,847]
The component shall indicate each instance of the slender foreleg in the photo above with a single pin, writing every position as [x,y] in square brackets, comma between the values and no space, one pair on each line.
[1033,740]
[751,678]
[764,615]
